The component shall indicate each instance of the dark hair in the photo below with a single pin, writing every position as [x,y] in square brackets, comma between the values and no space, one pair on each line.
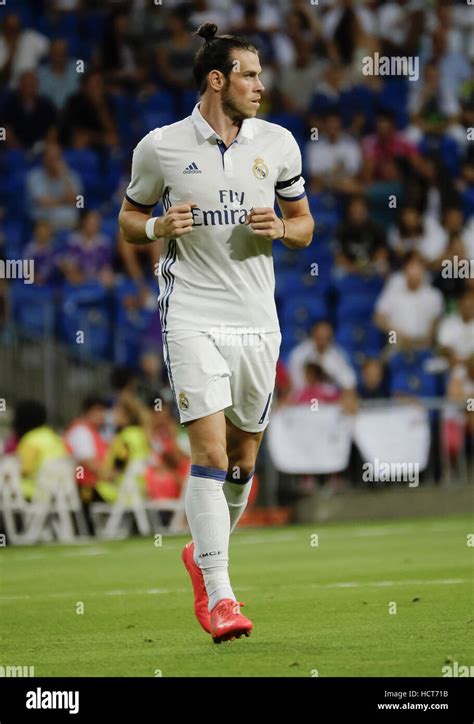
[91,401]
[215,53]
[387,114]
[412,255]
[29,414]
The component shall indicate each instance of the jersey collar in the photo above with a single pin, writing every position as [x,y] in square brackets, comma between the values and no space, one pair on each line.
[209,134]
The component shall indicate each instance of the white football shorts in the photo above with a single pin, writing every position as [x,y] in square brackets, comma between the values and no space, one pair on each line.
[223,369]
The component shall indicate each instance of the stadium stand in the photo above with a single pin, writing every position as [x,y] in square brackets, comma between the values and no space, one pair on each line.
[399,146]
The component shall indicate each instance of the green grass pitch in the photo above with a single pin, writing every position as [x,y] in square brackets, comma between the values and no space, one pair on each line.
[370,599]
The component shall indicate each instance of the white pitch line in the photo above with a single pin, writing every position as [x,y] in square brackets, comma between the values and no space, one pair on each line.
[164,591]
[243,538]
[383,584]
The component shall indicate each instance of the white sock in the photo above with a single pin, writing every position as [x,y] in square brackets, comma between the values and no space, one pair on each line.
[209,521]
[237,495]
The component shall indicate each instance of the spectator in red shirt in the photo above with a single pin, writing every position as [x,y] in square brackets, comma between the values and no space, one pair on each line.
[84,439]
[171,463]
[385,145]
[318,386]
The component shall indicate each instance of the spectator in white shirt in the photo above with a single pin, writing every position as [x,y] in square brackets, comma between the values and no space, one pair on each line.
[295,83]
[458,423]
[400,24]
[52,190]
[456,331]
[334,160]
[415,233]
[434,109]
[409,306]
[321,349]
[58,78]
[20,49]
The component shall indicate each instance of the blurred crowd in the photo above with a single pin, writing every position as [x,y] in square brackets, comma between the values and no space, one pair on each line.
[380,305]
[108,434]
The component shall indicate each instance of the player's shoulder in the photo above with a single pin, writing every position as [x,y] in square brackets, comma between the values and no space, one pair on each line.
[162,136]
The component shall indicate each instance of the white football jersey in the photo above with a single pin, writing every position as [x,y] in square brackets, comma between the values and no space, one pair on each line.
[220,273]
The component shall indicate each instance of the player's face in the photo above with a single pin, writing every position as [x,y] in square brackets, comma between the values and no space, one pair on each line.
[243,91]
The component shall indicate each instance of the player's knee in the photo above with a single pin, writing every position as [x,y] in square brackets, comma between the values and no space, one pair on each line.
[211,455]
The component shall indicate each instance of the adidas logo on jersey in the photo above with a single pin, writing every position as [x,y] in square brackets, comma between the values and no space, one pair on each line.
[192,168]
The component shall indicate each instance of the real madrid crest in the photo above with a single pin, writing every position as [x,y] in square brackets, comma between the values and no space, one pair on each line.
[183,401]
[259,168]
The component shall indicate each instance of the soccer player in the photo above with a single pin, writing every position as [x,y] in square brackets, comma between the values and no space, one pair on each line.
[217,172]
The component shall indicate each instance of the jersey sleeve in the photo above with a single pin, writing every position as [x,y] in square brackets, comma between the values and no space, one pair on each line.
[147,183]
[290,182]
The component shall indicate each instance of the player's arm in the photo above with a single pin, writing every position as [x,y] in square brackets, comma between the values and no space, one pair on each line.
[296,228]
[178,220]
[146,188]
[299,224]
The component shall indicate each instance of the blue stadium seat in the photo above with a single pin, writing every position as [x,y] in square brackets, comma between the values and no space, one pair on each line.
[394,97]
[293,122]
[416,382]
[109,227]
[467,202]
[287,284]
[283,257]
[291,336]
[14,230]
[410,374]
[186,101]
[33,308]
[357,308]
[160,101]
[15,196]
[315,254]
[61,25]
[361,339]
[446,147]
[85,162]
[356,284]
[155,111]
[15,159]
[303,310]
[86,308]
[156,119]
[130,326]
[92,29]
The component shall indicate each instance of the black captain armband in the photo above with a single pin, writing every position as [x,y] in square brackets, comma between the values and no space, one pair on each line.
[286,184]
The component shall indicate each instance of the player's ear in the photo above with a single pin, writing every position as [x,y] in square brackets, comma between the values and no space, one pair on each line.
[215,80]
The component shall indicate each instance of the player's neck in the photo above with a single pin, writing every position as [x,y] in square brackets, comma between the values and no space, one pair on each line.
[219,122]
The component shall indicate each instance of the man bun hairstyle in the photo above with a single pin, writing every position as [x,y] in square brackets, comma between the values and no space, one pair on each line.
[216,53]
[207,31]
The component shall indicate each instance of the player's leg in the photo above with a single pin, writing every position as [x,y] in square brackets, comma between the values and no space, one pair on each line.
[242,450]
[199,377]
[206,506]
[209,521]
[252,384]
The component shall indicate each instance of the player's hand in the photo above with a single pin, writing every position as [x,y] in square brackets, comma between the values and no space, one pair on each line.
[264,222]
[177,221]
